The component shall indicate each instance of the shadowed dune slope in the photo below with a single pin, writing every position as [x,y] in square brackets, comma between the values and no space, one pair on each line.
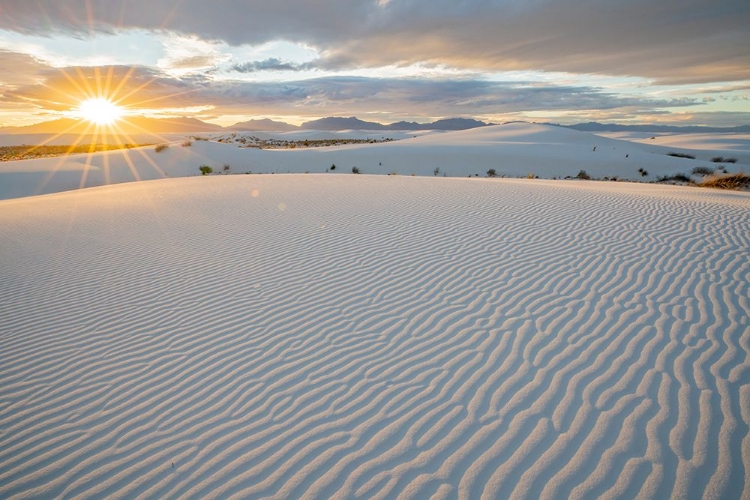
[376,337]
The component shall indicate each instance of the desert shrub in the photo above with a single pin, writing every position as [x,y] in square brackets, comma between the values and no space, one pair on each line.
[721,159]
[436,171]
[703,171]
[205,169]
[491,172]
[681,155]
[732,181]
[198,138]
[187,144]
[675,178]
[226,168]
[583,175]
[161,147]
[333,166]
[355,170]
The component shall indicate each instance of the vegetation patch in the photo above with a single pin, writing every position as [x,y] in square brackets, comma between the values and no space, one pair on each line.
[731,181]
[721,159]
[681,155]
[675,179]
[25,152]
[703,171]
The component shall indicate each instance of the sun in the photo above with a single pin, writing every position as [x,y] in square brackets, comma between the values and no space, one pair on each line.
[99,111]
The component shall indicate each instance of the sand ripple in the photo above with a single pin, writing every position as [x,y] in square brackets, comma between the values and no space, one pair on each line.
[375,337]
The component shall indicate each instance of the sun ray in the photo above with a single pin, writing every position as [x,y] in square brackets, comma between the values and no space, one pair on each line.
[159,98]
[108,83]
[90,92]
[52,138]
[58,165]
[90,17]
[73,82]
[98,82]
[120,85]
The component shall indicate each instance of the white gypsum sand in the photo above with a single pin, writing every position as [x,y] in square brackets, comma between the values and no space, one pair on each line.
[512,150]
[349,336]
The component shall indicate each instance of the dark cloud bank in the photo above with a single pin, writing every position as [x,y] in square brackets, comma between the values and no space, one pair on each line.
[671,41]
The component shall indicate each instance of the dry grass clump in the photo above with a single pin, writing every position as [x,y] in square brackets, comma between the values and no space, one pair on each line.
[731,181]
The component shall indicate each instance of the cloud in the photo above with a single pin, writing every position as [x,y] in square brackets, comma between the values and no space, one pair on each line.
[61,89]
[20,69]
[192,62]
[147,88]
[671,41]
[270,64]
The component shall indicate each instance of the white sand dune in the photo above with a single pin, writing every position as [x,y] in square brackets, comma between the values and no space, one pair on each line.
[513,150]
[727,145]
[322,336]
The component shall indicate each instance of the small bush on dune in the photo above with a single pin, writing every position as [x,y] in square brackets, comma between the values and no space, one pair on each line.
[187,144]
[226,168]
[732,181]
[721,159]
[675,178]
[161,147]
[491,172]
[681,155]
[643,172]
[703,171]
[205,169]
[583,175]
[355,170]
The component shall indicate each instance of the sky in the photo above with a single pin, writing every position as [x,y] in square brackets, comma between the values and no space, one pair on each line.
[677,62]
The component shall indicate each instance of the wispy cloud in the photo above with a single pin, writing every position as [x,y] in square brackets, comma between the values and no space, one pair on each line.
[271,64]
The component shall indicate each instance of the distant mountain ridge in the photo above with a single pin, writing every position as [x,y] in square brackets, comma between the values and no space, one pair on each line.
[143,125]
[353,123]
[130,125]
[266,125]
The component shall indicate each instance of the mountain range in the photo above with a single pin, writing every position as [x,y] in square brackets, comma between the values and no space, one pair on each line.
[142,125]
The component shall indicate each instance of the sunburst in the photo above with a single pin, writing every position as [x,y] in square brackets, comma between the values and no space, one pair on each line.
[99,111]
[101,106]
